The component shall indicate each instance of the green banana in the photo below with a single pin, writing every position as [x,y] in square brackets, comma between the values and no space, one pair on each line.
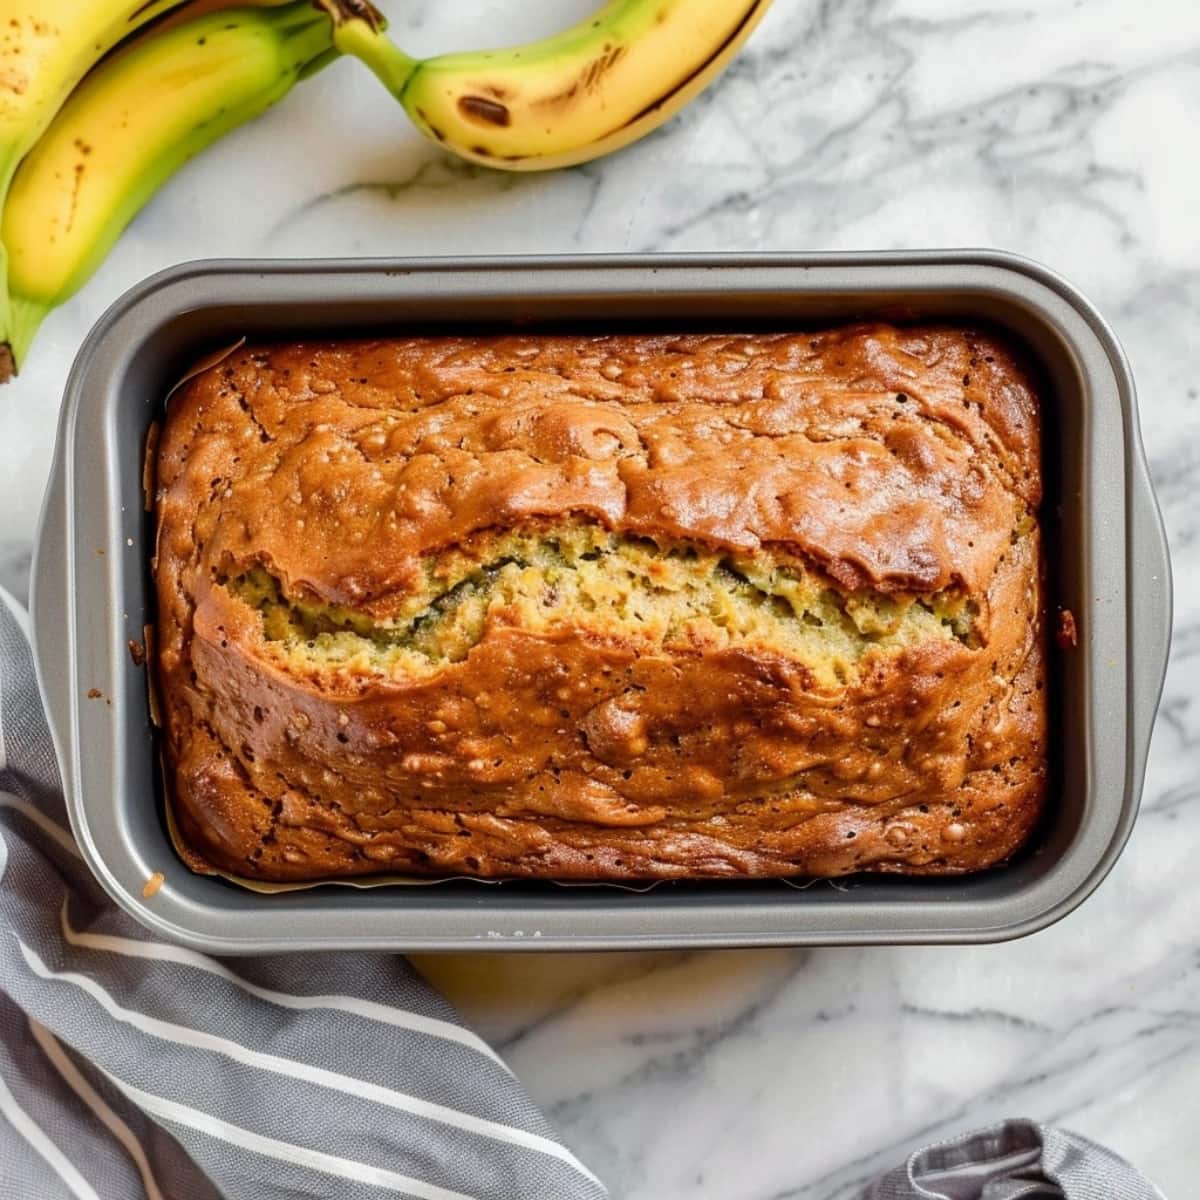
[585,92]
[128,127]
[46,47]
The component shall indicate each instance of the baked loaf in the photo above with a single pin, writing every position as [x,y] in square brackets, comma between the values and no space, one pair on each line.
[603,608]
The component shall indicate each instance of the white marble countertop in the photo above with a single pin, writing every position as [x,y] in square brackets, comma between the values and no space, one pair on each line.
[1061,129]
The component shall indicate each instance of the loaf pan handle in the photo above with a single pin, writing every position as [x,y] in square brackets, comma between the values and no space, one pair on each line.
[1150,590]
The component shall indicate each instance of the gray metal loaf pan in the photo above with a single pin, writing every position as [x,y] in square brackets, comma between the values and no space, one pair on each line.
[92,594]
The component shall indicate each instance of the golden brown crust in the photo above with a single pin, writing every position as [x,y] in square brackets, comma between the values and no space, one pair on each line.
[897,460]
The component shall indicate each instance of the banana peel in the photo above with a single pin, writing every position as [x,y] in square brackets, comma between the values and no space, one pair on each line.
[133,121]
[46,48]
[585,92]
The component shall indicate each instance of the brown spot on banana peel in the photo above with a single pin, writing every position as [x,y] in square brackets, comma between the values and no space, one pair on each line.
[14,84]
[8,364]
[484,111]
[588,80]
[77,185]
[599,67]
[423,117]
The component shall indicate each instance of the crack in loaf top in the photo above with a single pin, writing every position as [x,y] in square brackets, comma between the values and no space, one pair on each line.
[896,459]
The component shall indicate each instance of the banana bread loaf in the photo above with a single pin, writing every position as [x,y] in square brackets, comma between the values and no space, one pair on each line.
[603,607]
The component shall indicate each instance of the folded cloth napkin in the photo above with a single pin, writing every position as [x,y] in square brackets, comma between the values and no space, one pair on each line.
[1015,1160]
[135,1070]
[132,1068]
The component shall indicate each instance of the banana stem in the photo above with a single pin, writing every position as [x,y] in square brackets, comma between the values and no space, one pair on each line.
[358,30]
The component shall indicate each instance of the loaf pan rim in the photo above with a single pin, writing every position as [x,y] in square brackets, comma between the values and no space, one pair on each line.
[64,712]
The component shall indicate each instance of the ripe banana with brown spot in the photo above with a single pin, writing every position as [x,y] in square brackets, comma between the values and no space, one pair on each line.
[46,48]
[134,120]
[575,96]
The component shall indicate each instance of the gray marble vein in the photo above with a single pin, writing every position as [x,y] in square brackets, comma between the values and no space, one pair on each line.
[1064,130]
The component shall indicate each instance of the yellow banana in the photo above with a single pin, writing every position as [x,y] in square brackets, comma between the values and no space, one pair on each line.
[131,124]
[46,47]
[572,97]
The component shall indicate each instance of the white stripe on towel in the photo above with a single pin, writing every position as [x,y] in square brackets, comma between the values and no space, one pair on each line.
[316,1160]
[17,610]
[290,1068]
[370,1009]
[22,619]
[44,823]
[36,1137]
[92,1098]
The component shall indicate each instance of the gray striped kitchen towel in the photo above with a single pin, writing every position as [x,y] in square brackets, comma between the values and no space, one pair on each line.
[130,1068]
[1014,1160]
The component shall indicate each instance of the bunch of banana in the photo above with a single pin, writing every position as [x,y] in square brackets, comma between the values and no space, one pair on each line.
[128,127]
[46,48]
[585,92]
[96,133]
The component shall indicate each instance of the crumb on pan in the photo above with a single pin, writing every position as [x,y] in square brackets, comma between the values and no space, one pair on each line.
[153,884]
[1066,633]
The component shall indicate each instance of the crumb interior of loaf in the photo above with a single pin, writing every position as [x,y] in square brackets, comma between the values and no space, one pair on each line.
[607,584]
